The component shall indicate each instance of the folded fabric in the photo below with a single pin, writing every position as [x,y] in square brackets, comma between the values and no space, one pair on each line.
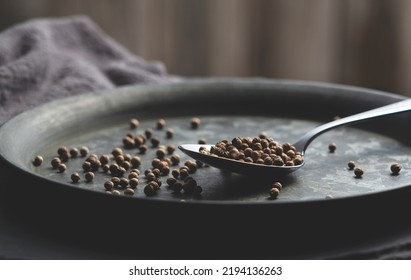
[45,59]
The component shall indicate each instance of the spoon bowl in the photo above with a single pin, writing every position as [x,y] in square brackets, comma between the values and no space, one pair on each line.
[246,168]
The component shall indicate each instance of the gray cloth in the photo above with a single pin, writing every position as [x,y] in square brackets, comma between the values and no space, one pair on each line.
[45,59]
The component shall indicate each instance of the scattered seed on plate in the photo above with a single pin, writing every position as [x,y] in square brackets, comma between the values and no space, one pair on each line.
[332,147]
[171,181]
[154,142]
[150,190]
[175,173]
[133,182]
[169,133]
[62,168]
[148,133]
[135,161]
[128,142]
[74,152]
[134,123]
[55,162]
[143,149]
[177,187]
[358,171]
[124,182]
[133,175]
[89,176]
[116,181]
[170,149]
[277,185]
[197,190]
[274,192]
[116,152]
[395,168]
[160,124]
[75,177]
[195,123]
[129,191]
[108,185]
[38,160]
[351,165]
[62,151]
[115,192]
[84,151]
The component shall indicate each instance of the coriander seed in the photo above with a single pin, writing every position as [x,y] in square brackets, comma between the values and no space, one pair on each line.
[75,177]
[197,190]
[123,182]
[133,182]
[126,165]
[149,190]
[133,175]
[115,192]
[74,152]
[358,172]
[84,151]
[116,181]
[274,192]
[171,181]
[105,168]
[86,166]
[175,159]
[154,142]
[121,171]
[104,159]
[134,123]
[62,168]
[89,176]
[148,133]
[129,191]
[351,165]
[128,142]
[177,187]
[175,173]
[108,185]
[150,176]
[332,147]
[62,151]
[134,170]
[395,168]
[116,152]
[169,133]
[135,161]
[195,123]
[160,124]
[143,149]
[38,160]
[277,185]
[160,153]
[55,162]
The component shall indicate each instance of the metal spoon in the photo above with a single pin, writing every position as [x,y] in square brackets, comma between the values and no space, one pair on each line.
[301,145]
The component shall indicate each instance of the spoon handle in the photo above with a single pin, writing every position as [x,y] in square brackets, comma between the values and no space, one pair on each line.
[398,107]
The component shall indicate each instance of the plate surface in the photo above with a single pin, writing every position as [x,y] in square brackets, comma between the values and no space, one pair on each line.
[284,110]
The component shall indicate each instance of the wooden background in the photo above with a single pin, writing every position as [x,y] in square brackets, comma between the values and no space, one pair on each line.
[357,42]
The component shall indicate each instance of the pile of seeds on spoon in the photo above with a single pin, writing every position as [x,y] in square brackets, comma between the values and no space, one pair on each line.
[260,150]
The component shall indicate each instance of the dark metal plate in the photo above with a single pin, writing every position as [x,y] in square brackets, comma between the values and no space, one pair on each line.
[101,121]
[227,108]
